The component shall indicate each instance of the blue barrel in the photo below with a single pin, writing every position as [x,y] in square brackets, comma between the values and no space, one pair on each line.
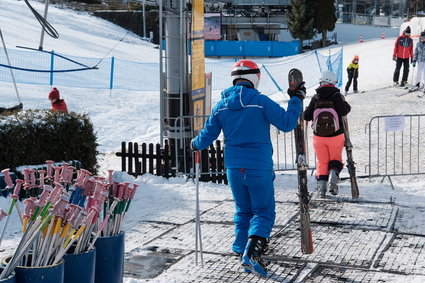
[110,259]
[10,279]
[80,267]
[42,274]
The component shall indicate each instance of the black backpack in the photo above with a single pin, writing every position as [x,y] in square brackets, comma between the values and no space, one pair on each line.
[325,118]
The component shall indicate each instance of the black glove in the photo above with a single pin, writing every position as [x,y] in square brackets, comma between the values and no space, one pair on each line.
[414,63]
[298,92]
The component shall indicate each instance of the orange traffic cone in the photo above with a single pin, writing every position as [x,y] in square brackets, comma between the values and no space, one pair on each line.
[382,36]
[361,38]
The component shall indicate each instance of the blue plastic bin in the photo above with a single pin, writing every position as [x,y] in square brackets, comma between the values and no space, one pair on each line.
[110,259]
[80,268]
[43,274]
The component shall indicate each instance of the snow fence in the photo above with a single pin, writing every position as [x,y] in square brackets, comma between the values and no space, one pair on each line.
[50,68]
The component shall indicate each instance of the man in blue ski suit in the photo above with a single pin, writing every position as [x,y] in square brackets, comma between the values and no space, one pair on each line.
[245,116]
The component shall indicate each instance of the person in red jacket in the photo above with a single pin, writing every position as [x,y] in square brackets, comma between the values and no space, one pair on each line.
[57,103]
[403,51]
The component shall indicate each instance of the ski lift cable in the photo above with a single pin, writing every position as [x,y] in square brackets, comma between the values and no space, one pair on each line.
[125,35]
[58,55]
[8,61]
[47,27]
[47,71]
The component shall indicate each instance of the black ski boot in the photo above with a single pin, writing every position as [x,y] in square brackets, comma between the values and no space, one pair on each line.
[333,182]
[321,187]
[251,258]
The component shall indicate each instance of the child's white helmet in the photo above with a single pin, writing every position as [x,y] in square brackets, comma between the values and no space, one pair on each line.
[328,77]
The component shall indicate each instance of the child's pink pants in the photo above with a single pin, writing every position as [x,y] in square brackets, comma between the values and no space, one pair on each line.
[327,149]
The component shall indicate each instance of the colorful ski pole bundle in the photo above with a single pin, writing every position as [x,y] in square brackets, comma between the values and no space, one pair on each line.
[64,213]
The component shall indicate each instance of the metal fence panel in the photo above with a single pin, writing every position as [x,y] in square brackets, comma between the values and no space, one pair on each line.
[396,145]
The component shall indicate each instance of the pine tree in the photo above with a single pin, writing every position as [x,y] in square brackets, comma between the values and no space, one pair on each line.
[324,18]
[300,20]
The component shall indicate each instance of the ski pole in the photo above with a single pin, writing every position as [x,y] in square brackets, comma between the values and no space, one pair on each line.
[2,214]
[14,197]
[111,209]
[411,76]
[21,252]
[198,234]
[59,212]
[74,237]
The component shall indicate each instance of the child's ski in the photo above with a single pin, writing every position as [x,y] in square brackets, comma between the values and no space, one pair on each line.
[295,78]
[406,92]
[350,162]
[351,93]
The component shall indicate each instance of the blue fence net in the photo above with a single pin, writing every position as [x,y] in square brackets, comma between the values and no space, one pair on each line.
[35,67]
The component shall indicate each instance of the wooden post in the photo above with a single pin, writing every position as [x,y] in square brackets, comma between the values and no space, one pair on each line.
[144,158]
[151,158]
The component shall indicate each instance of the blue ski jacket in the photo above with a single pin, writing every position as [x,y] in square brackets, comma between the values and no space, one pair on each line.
[245,116]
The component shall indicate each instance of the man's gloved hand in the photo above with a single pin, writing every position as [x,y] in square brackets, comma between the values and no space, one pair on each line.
[394,58]
[191,146]
[298,92]
[413,63]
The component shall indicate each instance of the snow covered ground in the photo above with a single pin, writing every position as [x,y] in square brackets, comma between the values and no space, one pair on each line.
[134,116]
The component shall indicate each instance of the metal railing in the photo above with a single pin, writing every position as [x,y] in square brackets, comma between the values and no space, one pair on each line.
[396,144]
[369,19]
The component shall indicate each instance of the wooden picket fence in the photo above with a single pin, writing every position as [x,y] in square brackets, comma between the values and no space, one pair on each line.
[153,159]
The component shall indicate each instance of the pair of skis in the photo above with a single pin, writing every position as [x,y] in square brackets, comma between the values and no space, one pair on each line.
[420,95]
[295,78]
[350,161]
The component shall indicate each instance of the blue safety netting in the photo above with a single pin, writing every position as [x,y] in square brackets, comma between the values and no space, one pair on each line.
[48,68]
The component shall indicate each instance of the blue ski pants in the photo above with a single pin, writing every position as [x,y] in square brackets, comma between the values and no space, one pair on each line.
[253,193]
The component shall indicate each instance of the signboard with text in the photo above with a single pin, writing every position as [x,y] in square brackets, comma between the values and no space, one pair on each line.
[198,63]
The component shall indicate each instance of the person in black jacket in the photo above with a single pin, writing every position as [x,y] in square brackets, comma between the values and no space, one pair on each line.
[328,143]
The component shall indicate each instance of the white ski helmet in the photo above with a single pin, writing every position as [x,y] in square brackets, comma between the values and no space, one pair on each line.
[328,77]
[248,70]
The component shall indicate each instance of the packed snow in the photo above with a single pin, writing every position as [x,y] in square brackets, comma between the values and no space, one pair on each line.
[121,115]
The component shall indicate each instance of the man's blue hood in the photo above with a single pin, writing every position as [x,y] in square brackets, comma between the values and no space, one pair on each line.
[238,96]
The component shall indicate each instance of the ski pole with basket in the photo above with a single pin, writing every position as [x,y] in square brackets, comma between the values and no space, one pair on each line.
[198,234]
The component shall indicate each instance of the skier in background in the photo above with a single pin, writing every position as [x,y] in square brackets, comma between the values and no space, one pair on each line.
[328,147]
[244,115]
[419,60]
[58,104]
[403,50]
[353,73]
